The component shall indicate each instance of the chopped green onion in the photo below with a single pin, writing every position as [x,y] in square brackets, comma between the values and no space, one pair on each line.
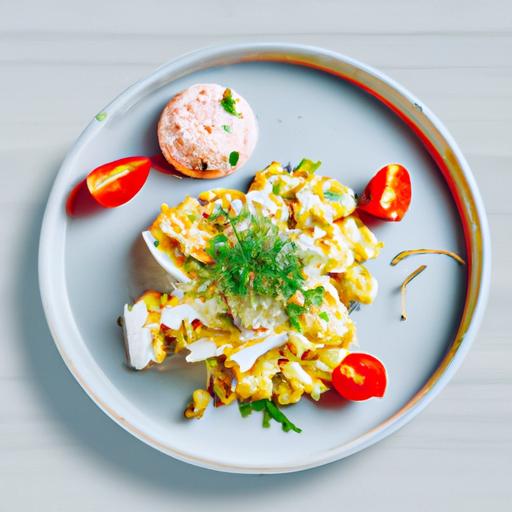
[270,411]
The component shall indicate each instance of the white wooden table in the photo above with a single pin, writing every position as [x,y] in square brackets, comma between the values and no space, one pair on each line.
[59,64]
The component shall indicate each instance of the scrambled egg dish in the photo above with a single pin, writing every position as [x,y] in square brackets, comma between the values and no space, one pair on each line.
[265,280]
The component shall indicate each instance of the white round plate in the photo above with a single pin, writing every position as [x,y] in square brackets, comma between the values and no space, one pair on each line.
[310,103]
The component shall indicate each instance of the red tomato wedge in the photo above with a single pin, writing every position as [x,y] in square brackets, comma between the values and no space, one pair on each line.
[388,194]
[359,377]
[117,182]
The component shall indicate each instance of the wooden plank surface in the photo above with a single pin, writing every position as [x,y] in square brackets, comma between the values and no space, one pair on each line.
[60,63]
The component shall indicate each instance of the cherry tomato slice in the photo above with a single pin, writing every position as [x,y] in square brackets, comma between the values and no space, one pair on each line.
[359,377]
[388,194]
[117,182]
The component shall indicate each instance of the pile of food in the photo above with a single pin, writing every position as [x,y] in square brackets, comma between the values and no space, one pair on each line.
[266,280]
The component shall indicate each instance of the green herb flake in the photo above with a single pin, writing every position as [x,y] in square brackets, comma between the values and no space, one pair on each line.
[307,166]
[333,196]
[226,128]
[156,243]
[324,316]
[295,323]
[233,158]
[270,411]
[276,188]
[101,116]
[294,311]
[211,362]
[245,409]
[266,418]
[130,307]
[314,296]
[228,103]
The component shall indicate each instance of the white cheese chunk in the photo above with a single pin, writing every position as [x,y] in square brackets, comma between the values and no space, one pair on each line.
[172,317]
[204,348]
[246,357]
[138,339]
[200,350]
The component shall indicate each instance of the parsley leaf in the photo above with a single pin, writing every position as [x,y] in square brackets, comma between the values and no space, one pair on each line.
[270,411]
[156,243]
[226,128]
[229,103]
[233,158]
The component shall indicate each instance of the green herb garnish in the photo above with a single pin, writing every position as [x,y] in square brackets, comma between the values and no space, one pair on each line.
[313,297]
[307,166]
[156,243]
[101,116]
[226,128]
[276,188]
[229,103]
[333,196]
[324,316]
[254,259]
[270,411]
[251,259]
[233,158]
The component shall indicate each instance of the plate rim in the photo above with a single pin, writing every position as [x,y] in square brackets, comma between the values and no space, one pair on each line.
[400,101]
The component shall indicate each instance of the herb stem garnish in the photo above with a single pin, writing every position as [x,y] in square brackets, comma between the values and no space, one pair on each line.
[407,280]
[405,254]
[229,103]
[253,259]
[270,411]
